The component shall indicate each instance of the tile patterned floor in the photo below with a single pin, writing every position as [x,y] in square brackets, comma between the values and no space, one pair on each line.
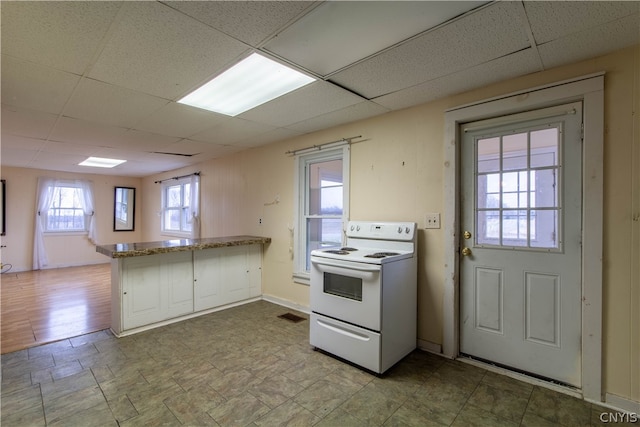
[246,367]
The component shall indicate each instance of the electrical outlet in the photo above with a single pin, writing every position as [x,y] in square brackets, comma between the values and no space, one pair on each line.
[432,220]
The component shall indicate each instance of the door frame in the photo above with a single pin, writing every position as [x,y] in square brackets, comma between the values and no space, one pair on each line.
[590,91]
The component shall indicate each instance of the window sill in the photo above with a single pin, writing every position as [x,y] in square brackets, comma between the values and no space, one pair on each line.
[176,234]
[65,233]
[302,278]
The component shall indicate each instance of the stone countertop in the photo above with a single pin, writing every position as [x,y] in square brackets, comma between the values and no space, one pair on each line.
[125,250]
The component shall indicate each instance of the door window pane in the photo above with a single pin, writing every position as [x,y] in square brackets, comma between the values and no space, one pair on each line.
[488,154]
[517,198]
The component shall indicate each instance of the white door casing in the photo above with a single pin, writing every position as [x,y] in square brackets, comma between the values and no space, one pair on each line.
[520,283]
[590,90]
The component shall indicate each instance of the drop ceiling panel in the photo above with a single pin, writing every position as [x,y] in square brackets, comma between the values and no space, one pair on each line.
[205,149]
[83,132]
[592,42]
[59,34]
[14,141]
[349,114]
[157,50]
[309,101]
[249,21]
[117,106]
[28,123]
[519,63]
[265,138]
[231,131]
[136,140]
[483,35]
[35,87]
[551,20]
[17,157]
[180,120]
[337,34]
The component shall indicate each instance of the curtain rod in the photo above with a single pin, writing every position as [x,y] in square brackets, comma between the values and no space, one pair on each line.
[177,177]
[319,146]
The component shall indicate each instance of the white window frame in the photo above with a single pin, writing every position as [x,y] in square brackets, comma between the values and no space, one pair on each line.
[85,218]
[301,193]
[172,183]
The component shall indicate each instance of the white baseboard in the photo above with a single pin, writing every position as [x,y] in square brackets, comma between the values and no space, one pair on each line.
[286,303]
[430,347]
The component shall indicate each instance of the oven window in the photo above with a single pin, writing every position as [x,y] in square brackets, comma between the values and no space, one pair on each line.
[343,286]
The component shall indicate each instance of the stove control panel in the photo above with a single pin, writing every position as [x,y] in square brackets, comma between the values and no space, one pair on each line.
[381,230]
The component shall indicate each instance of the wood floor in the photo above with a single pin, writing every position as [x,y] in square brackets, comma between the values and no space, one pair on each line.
[49,305]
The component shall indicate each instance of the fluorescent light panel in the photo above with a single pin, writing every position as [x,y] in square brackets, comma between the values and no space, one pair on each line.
[101,162]
[251,82]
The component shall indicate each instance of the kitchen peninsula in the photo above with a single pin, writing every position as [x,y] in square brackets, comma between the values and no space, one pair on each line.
[156,283]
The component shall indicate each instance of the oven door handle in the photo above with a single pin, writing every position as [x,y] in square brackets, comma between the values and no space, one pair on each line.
[350,267]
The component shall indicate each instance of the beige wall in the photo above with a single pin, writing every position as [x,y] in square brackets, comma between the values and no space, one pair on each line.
[62,250]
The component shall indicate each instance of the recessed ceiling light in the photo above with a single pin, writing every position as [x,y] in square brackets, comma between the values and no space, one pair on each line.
[251,82]
[101,162]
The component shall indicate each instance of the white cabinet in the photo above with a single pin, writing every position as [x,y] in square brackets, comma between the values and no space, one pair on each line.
[226,275]
[156,287]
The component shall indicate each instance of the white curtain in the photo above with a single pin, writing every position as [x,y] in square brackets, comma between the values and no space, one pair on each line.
[86,199]
[45,197]
[194,204]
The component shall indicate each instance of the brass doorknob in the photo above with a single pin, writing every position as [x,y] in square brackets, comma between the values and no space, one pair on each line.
[466,251]
[466,235]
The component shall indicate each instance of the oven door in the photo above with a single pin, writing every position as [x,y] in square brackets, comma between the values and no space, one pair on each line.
[348,291]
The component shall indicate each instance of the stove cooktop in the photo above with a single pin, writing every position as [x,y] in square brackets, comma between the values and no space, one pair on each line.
[367,255]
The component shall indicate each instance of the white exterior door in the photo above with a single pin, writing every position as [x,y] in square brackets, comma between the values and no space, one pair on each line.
[520,264]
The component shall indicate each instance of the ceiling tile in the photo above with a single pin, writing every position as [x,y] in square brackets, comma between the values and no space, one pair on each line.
[483,35]
[16,141]
[267,137]
[349,114]
[35,87]
[249,21]
[117,106]
[157,50]
[180,120]
[17,156]
[60,34]
[357,30]
[309,101]
[592,42]
[202,149]
[136,140]
[551,20]
[231,131]
[83,132]
[519,63]
[69,148]
[28,123]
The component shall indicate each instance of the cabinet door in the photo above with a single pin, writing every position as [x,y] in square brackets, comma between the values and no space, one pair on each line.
[142,292]
[235,274]
[177,271]
[207,271]
[254,260]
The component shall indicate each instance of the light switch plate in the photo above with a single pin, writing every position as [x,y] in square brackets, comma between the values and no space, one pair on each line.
[432,220]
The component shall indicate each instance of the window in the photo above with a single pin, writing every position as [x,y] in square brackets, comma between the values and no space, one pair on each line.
[322,191]
[63,206]
[179,206]
[518,203]
[66,212]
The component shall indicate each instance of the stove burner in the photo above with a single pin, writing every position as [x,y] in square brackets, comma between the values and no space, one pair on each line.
[337,252]
[381,254]
[348,249]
